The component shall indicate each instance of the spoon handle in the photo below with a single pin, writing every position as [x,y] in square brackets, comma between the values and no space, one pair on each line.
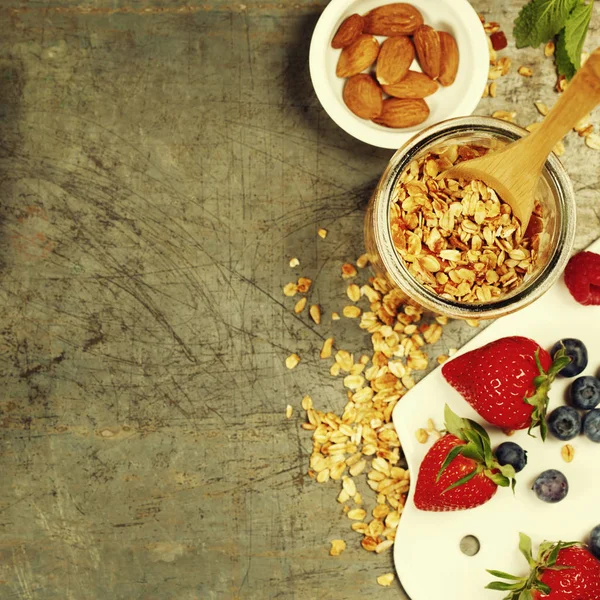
[580,97]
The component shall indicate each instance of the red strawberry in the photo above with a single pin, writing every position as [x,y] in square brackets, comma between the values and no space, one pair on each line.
[562,571]
[582,277]
[459,471]
[507,381]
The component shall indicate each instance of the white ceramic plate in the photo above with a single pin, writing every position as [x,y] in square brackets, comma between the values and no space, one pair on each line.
[426,554]
[458,100]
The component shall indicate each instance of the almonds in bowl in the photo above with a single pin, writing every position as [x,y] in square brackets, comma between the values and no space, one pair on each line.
[389,93]
[377,33]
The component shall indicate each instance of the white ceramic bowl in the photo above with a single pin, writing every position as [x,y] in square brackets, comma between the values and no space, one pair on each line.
[458,100]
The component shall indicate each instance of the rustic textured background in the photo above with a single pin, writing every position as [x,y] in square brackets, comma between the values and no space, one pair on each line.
[159,165]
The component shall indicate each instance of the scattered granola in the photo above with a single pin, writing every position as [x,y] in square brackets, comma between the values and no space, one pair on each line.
[322,233]
[290,289]
[362,261]
[525,71]
[458,238]
[315,313]
[351,312]
[294,262]
[337,547]
[505,115]
[542,108]
[348,271]
[326,349]
[289,411]
[304,284]
[353,292]
[421,435]
[568,453]
[299,307]
[291,362]
[386,580]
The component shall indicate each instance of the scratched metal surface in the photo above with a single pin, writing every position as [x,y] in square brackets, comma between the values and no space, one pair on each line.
[158,168]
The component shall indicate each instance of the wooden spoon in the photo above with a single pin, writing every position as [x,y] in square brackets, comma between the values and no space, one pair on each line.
[514,171]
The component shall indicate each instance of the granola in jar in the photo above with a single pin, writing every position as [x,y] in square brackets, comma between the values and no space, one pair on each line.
[457,237]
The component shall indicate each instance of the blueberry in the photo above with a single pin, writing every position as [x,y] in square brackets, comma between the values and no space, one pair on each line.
[595,541]
[585,392]
[576,351]
[591,425]
[509,453]
[551,486]
[564,423]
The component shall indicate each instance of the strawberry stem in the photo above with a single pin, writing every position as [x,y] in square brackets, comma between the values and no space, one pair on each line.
[542,383]
[478,448]
[520,588]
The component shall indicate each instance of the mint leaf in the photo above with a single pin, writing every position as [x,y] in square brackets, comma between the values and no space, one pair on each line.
[576,29]
[541,20]
[563,62]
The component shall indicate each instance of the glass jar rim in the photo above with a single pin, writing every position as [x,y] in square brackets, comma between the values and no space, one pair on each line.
[393,263]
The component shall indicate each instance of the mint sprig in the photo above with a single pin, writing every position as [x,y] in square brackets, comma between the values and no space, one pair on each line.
[566,20]
[540,20]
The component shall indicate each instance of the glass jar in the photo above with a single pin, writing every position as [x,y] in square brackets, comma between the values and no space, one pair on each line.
[555,194]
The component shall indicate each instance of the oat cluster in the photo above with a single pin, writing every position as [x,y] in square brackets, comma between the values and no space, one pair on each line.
[457,237]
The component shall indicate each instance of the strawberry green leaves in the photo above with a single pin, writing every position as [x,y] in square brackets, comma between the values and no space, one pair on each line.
[520,588]
[478,448]
[542,20]
[542,383]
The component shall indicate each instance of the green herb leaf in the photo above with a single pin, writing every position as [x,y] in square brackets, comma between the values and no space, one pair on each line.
[541,20]
[576,29]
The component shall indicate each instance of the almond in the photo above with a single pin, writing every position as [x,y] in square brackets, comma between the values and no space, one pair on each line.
[427,44]
[393,19]
[348,31]
[395,57]
[356,57]
[449,59]
[362,96]
[413,85]
[402,112]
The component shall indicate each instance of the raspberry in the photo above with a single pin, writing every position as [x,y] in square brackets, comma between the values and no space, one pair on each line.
[582,277]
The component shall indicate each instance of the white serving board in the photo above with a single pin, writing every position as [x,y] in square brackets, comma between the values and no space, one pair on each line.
[429,562]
